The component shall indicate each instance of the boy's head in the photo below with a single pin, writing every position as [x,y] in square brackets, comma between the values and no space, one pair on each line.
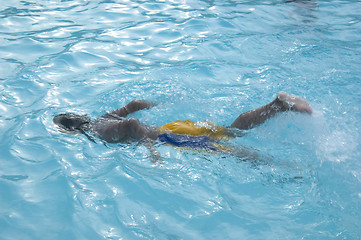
[71,122]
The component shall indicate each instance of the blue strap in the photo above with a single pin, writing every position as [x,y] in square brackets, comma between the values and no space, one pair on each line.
[202,142]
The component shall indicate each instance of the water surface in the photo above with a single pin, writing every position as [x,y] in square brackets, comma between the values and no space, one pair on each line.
[199,60]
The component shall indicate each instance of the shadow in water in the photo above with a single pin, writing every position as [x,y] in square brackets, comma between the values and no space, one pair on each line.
[305,9]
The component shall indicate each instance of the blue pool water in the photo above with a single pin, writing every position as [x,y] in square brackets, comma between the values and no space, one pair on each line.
[199,60]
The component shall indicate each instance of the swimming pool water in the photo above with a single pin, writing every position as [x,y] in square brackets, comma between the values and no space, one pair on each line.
[199,60]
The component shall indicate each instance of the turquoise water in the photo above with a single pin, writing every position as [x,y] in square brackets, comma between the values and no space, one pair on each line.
[199,60]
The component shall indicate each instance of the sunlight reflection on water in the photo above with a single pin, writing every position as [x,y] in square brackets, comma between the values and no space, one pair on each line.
[199,60]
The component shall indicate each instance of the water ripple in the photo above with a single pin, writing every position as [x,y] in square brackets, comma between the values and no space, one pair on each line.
[198,60]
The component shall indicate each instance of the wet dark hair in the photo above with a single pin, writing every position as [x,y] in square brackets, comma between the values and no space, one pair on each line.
[72,122]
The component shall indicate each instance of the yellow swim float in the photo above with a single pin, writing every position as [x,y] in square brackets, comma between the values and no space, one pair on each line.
[191,128]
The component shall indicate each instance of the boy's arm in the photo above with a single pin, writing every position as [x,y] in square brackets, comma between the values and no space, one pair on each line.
[154,153]
[133,106]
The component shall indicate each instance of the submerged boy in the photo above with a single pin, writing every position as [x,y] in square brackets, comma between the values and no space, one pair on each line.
[113,127]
